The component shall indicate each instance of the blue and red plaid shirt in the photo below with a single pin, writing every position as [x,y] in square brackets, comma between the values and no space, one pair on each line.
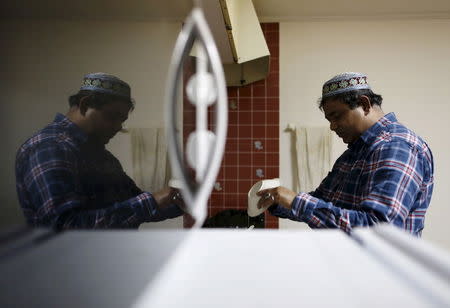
[64,183]
[384,176]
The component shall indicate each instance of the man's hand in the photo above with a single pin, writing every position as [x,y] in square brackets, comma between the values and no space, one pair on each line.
[167,196]
[278,195]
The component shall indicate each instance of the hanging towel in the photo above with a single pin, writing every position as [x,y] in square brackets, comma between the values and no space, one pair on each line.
[311,153]
[151,169]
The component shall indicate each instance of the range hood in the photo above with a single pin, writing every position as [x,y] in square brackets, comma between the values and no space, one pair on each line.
[240,40]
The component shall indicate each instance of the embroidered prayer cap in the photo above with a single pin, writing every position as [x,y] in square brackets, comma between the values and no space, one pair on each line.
[344,82]
[106,83]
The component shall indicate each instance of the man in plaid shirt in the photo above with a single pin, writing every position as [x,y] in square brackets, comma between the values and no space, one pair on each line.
[66,178]
[385,175]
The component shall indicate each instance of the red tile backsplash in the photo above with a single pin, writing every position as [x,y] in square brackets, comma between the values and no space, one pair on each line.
[245,173]
[259,118]
[272,145]
[245,104]
[232,92]
[232,118]
[245,146]
[231,186]
[273,91]
[231,159]
[258,131]
[245,131]
[231,146]
[260,104]
[245,159]
[245,91]
[273,104]
[272,131]
[252,148]
[272,159]
[259,91]
[243,187]
[258,159]
[245,117]
[231,172]
[268,27]
[232,131]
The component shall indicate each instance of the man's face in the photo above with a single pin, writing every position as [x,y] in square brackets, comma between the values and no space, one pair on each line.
[107,121]
[345,122]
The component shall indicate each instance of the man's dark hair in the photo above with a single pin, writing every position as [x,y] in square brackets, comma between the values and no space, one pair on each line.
[351,98]
[97,100]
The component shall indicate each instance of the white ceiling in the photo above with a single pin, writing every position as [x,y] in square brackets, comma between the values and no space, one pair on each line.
[267,10]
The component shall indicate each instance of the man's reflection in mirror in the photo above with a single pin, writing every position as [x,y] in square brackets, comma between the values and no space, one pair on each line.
[66,178]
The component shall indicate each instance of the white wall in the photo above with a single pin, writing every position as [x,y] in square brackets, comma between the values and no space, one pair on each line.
[407,61]
[43,62]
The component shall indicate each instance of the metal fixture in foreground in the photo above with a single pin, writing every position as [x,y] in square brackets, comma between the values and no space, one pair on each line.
[205,148]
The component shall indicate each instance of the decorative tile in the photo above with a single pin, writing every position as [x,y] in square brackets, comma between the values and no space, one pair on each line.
[258,145]
[218,186]
[259,173]
[232,104]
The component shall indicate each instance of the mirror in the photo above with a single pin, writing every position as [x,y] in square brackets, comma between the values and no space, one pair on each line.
[45,66]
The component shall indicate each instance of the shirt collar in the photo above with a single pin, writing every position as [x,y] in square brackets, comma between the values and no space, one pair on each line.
[74,130]
[374,131]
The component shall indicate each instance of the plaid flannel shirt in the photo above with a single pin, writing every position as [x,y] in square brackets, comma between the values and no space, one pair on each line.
[384,176]
[62,183]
